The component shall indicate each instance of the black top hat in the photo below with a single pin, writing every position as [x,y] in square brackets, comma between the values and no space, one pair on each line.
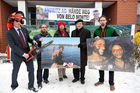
[79,21]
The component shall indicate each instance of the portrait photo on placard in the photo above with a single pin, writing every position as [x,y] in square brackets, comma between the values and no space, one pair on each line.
[111,53]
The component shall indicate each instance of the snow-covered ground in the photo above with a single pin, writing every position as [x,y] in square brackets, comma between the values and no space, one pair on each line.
[124,82]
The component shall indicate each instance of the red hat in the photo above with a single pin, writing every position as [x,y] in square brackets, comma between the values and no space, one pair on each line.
[61,23]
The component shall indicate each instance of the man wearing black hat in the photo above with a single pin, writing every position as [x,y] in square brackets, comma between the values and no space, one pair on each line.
[83,33]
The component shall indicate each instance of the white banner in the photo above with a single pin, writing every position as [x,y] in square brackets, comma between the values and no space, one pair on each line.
[67,13]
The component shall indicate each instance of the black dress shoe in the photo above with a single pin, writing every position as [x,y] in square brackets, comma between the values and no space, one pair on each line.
[46,81]
[82,81]
[40,85]
[33,89]
[14,88]
[75,80]
[60,79]
[65,76]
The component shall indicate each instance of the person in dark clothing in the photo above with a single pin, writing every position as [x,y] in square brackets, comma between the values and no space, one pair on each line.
[83,33]
[58,56]
[105,31]
[18,39]
[61,32]
[39,39]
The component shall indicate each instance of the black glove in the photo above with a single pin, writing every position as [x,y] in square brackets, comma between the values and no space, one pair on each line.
[80,46]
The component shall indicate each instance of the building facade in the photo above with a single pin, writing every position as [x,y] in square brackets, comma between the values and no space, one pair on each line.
[119,11]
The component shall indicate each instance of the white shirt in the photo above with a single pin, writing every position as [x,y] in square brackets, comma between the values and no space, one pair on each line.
[22,35]
[20,31]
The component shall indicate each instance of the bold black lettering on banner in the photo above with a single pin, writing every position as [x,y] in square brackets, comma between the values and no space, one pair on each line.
[86,11]
[69,16]
[74,11]
[60,16]
[84,17]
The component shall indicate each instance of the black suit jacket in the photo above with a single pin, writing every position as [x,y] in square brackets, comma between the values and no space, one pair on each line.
[58,34]
[15,44]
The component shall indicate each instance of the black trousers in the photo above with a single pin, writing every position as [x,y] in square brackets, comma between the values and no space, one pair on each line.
[30,69]
[111,76]
[79,73]
[39,73]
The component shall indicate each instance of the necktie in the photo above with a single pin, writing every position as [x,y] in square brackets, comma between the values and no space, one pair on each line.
[22,39]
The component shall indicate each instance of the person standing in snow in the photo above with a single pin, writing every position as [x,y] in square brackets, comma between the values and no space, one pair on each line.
[61,32]
[105,31]
[83,33]
[39,39]
[18,39]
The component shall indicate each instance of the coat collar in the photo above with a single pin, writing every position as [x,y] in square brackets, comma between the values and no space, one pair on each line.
[105,27]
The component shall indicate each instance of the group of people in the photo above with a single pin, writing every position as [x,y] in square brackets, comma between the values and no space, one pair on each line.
[18,39]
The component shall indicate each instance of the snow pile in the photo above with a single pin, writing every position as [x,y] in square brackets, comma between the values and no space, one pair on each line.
[124,82]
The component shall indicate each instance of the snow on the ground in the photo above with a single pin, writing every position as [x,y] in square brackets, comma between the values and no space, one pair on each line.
[3,54]
[124,82]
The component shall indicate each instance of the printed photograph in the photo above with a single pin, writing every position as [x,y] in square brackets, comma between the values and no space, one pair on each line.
[111,53]
[62,53]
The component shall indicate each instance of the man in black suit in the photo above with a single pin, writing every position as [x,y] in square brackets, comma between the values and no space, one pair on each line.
[84,34]
[18,39]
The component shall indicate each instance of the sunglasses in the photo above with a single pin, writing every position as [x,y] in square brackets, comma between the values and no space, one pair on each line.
[17,20]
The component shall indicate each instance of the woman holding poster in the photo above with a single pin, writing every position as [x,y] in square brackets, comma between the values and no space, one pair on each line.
[61,32]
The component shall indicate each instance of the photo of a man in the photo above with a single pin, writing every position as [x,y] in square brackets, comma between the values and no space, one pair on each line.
[57,57]
[63,53]
[96,15]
